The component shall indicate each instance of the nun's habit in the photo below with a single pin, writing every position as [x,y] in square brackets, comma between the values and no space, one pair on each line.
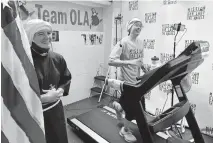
[51,71]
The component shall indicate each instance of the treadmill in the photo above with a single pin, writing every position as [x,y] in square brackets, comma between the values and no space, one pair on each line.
[100,125]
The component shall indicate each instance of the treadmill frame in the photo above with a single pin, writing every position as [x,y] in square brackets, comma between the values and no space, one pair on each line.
[175,70]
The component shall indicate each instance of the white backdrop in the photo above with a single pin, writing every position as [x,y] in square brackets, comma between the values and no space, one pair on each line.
[158,17]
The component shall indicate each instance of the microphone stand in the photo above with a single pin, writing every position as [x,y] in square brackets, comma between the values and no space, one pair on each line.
[172,90]
[118,18]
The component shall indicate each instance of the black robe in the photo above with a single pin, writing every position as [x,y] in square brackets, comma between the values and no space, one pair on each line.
[52,71]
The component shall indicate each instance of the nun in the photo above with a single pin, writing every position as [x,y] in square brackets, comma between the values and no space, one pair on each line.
[53,76]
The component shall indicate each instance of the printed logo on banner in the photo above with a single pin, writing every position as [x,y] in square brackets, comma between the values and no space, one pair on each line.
[149,43]
[55,36]
[147,95]
[92,39]
[150,17]
[167,29]
[165,86]
[61,17]
[193,107]
[133,5]
[95,18]
[196,13]
[165,2]
[210,99]
[165,57]
[195,77]
[158,111]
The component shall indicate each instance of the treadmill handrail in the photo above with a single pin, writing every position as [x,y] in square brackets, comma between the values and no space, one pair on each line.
[192,52]
[177,61]
[149,82]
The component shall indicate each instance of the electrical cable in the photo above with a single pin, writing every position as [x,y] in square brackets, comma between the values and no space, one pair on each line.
[165,102]
[90,108]
[182,36]
[68,109]
[178,132]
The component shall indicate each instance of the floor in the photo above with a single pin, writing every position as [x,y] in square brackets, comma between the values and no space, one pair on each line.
[86,105]
[81,107]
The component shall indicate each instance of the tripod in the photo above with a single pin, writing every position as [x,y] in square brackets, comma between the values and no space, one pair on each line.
[118,18]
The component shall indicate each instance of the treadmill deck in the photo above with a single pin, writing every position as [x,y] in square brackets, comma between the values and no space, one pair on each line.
[101,126]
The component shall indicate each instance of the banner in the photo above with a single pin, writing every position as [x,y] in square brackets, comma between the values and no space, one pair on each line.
[65,16]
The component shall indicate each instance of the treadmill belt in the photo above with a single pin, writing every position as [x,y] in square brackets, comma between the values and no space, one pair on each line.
[104,123]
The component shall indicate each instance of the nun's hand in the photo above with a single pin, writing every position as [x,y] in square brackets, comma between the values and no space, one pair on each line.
[60,92]
[50,95]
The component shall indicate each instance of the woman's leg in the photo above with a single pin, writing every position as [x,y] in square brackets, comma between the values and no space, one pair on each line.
[129,115]
[119,113]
